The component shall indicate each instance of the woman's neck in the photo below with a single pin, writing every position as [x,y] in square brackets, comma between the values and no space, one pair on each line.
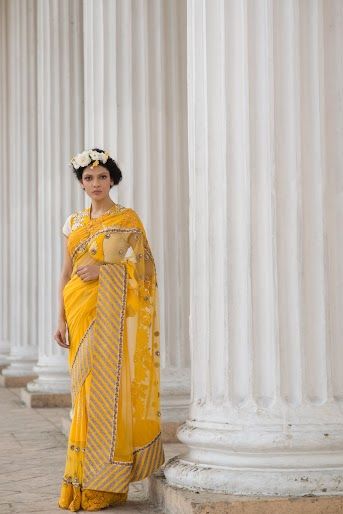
[98,208]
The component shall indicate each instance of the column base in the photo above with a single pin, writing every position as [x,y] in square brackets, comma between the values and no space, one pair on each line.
[255,482]
[4,353]
[15,380]
[4,360]
[274,460]
[176,500]
[45,399]
[50,389]
[52,379]
[18,372]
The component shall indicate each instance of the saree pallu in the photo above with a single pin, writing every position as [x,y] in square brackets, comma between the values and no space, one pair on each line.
[113,332]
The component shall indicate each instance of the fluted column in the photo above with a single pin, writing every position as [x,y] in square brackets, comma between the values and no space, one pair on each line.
[135,106]
[60,135]
[4,189]
[19,164]
[266,249]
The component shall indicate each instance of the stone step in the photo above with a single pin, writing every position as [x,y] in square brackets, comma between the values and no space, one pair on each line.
[175,500]
[39,400]
[10,381]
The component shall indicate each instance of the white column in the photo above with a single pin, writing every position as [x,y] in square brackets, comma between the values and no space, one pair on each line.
[4,189]
[265,118]
[60,135]
[332,69]
[20,166]
[135,106]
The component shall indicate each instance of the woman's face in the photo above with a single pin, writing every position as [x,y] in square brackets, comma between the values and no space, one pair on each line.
[96,181]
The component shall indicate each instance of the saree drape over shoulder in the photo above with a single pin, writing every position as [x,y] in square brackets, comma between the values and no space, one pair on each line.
[113,331]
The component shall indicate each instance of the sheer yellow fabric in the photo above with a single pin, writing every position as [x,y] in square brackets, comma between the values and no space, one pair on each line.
[113,329]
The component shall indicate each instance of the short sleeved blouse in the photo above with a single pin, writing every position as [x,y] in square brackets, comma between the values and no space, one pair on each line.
[66,229]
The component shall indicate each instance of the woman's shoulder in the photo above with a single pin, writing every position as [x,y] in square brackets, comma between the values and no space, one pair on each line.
[74,220]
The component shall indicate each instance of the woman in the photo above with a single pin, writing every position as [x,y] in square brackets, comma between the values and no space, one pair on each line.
[109,322]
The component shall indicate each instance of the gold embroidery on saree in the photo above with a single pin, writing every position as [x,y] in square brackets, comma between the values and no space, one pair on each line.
[147,458]
[80,217]
[81,365]
[117,475]
[107,231]
[107,351]
[71,480]
[76,448]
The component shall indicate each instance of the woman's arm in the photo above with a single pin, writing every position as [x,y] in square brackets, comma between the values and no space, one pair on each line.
[60,334]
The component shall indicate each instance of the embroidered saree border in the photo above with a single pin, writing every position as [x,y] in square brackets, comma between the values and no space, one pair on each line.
[147,459]
[115,477]
[81,365]
[82,246]
[82,340]
[107,349]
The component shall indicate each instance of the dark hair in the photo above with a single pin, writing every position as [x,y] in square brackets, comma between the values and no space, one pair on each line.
[110,165]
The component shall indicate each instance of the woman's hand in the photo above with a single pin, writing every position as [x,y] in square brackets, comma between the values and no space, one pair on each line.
[61,334]
[88,272]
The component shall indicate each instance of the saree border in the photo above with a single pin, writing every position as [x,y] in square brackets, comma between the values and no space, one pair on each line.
[81,365]
[115,477]
[80,373]
[119,365]
[107,350]
[84,338]
[82,246]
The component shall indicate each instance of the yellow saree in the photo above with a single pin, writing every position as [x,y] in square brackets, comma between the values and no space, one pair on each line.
[113,330]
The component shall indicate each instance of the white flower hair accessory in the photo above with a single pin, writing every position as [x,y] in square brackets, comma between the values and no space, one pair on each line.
[84,158]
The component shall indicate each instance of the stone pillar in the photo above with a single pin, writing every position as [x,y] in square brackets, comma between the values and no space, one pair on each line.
[19,170]
[135,106]
[265,119]
[60,135]
[4,189]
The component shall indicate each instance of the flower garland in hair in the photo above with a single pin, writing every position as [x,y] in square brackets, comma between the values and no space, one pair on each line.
[87,156]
